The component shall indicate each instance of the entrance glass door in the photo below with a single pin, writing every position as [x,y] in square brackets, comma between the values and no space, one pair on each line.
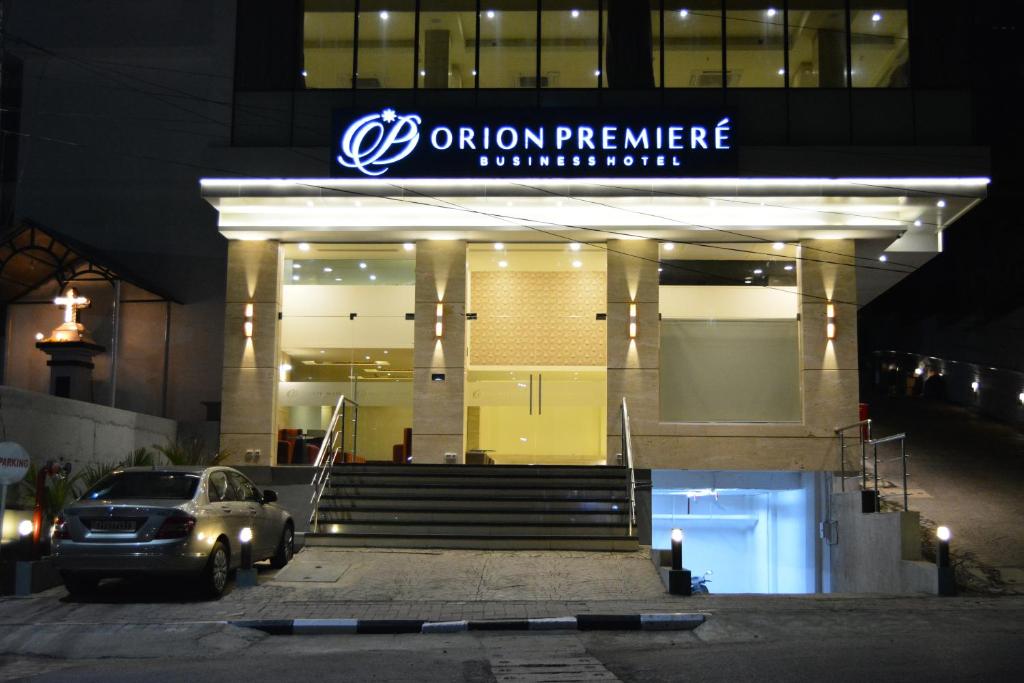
[536,380]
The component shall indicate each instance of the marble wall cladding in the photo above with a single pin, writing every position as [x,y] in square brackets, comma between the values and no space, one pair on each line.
[632,270]
[538,318]
[733,453]
[249,389]
[438,420]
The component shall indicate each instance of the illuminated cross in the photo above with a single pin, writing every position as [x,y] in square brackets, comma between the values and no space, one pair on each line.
[71,304]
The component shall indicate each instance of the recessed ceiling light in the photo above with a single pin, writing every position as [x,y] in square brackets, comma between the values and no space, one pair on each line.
[876,17]
[684,13]
[499,246]
[490,14]
[304,73]
[917,223]
[669,246]
[777,246]
[577,264]
[883,258]
[423,72]
[295,278]
[575,14]
[941,203]
[296,265]
[384,16]
[787,267]
[362,264]
[659,270]
[408,246]
[337,279]
[367,358]
[385,352]
[328,269]
[757,271]
[770,12]
[40,336]
[372,276]
[303,246]
[502,264]
[322,351]
[782,72]
[575,246]
[597,72]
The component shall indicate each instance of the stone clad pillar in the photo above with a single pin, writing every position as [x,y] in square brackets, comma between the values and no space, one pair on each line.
[633,365]
[438,424]
[249,390]
[829,369]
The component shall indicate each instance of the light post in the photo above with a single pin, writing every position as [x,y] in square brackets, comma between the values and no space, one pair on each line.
[678,579]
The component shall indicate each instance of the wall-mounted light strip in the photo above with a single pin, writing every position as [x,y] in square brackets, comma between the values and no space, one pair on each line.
[830,321]
[632,321]
[439,321]
[248,321]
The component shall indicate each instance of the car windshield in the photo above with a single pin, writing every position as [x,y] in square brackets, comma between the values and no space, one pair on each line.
[165,485]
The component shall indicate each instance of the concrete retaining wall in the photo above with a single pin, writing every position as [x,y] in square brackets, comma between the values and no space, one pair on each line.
[53,428]
[877,552]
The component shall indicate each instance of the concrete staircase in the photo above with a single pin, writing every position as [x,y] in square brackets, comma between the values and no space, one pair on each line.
[514,507]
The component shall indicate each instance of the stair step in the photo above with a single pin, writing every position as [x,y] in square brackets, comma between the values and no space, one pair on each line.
[449,492]
[573,542]
[471,504]
[348,479]
[506,517]
[470,528]
[501,471]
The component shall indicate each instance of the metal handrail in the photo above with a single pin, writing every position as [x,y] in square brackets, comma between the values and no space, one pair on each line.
[627,454]
[333,443]
[864,440]
[875,443]
[864,434]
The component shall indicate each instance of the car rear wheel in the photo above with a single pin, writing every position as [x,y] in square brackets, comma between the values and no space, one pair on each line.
[285,549]
[215,575]
[78,584]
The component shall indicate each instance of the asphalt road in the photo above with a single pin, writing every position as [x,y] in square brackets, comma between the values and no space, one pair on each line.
[930,640]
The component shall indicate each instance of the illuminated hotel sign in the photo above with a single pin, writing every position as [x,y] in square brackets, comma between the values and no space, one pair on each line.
[571,143]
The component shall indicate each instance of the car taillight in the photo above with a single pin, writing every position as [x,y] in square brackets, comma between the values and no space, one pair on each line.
[178,526]
[60,529]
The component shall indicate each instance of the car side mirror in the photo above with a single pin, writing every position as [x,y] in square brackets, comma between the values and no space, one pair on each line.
[269,496]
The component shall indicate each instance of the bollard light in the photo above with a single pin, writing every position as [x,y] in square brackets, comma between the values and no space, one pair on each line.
[245,536]
[946,577]
[677,549]
[25,527]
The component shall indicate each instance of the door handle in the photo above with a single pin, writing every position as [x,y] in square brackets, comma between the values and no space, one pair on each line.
[540,393]
[531,393]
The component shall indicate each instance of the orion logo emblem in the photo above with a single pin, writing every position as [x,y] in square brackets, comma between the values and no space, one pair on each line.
[374,142]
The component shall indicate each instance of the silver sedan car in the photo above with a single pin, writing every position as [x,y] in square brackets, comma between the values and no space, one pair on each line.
[182,521]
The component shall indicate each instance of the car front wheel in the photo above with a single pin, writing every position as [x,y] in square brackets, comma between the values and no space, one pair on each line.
[215,575]
[285,549]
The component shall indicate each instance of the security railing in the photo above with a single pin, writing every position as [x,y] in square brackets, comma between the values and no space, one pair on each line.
[627,460]
[865,441]
[334,443]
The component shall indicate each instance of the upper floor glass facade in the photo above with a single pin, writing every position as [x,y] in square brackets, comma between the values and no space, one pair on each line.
[452,44]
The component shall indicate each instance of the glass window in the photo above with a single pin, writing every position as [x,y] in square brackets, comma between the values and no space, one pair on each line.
[218,488]
[387,32]
[569,47]
[693,44]
[344,332]
[655,44]
[328,43]
[817,43]
[447,44]
[729,335]
[879,46]
[142,485]
[244,490]
[754,40]
[508,44]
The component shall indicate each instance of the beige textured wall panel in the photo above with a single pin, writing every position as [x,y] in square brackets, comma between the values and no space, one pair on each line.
[633,270]
[450,351]
[738,453]
[644,351]
[249,386]
[538,318]
[830,399]
[428,448]
[640,387]
[437,409]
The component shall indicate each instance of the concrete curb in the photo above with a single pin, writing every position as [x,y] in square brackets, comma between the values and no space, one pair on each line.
[665,621]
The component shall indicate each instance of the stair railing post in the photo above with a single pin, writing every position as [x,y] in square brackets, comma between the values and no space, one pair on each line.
[842,463]
[878,498]
[903,457]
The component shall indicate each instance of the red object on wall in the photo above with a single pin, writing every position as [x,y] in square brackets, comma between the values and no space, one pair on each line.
[863,416]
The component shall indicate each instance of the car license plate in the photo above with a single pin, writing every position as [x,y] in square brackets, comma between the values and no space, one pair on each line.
[113,525]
